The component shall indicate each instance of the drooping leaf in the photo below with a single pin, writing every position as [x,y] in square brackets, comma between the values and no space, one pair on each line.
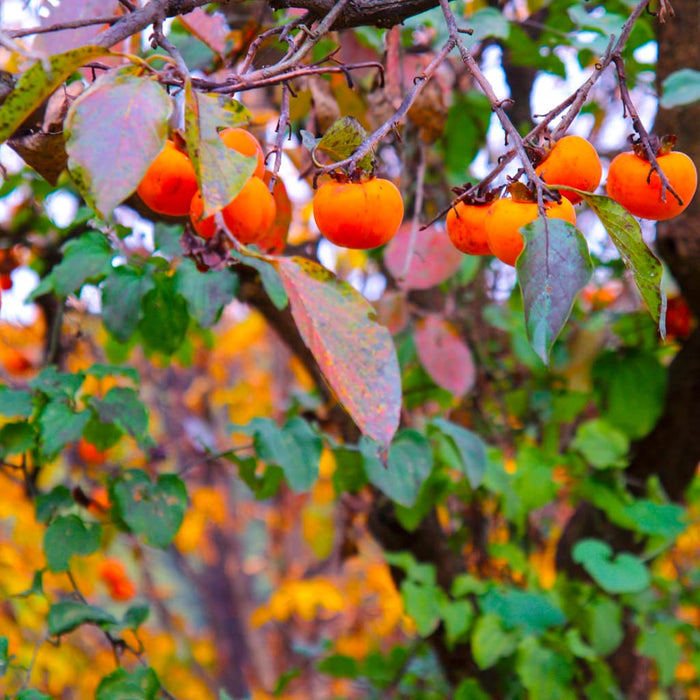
[294,447]
[210,28]
[105,160]
[154,510]
[272,284]
[140,684]
[69,535]
[682,87]
[603,625]
[355,354]
[16,438]
[444,355]
[221,171]
[646,269]
[433,260]
[468,121]
[66,615]
[469,450]
[206,293]
[624,573]
[552,269]
[122,294]
[36,85]
[409,464]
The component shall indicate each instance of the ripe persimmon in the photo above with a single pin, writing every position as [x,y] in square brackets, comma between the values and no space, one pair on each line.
[574,162]
[246,144]
[359,215]
[466,227]
[505,218]
[169,183]
[637,187]
[113,574]
[248,216]
[89,454]
[5,282]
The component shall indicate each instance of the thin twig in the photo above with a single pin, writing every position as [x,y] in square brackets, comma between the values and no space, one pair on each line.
[61,26]
[281,133]
[417,208]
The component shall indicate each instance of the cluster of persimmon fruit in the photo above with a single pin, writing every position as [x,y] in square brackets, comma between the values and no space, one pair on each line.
[493,227]
[169,187]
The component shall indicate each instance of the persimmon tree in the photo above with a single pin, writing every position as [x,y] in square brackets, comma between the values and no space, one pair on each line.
[241,461]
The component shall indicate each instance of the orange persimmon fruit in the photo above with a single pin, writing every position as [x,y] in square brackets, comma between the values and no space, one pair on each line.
[246,144]
[360,215]
[112,573]
[506,217]
[248,216]
[89,454]
[466,227]
[572,161]
[169,183]
[637,187]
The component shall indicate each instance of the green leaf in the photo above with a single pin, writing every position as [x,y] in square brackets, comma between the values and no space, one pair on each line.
[410,462]
[16,438]
[529,611]
[55,384]
[100,371]
[295,447]
[342,139]
[85,259]
[15,403]
[122,294]
[543,672]
[339,666]
[470,689]
[602,445]
[48,504]
[108,170]
[206,293]
[552,269]
[60,425]
[458,616]
[646,269]
[36,85]
[468,121]
[603,625]
[423,604]
[623,573]
[221,171]
[263,486]
[4,655]
[630,388]
[469,449]
[488,22]
[68,614]
[662,519]
[69,535]
[490,642]
[135,616]
[153,510]
[31,694]
[165,318]
[682,87]
[122,406]
[141,684]
[271,281]
[660,643]
[465,584]
[355,353]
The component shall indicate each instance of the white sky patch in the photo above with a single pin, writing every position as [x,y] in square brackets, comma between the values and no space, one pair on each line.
[14,307]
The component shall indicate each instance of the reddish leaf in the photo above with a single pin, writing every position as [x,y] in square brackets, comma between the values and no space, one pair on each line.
[444,355]
[355,353]
[105,159]
[434,258]
[208,28]
[71,11]
[392,311]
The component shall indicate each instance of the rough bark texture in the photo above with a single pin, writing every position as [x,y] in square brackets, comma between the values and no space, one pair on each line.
[378,13]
